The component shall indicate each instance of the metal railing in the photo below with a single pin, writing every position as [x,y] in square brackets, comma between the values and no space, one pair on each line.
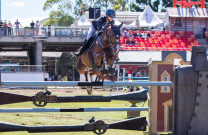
[22,68]
[44,31]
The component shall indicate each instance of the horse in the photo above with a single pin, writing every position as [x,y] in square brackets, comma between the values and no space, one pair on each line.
[110,78]
[101,54]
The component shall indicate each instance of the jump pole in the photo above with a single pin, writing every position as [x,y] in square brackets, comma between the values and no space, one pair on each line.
[34,110]
[53,83]
[140,78]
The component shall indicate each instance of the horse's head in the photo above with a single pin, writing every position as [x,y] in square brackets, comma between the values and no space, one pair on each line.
[114,37]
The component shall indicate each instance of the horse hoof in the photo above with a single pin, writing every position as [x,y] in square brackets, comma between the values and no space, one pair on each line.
[89,90]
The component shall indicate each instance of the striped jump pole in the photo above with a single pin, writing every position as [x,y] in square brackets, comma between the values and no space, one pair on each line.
[53,83]
[34,110]
[140,78]
[40,99]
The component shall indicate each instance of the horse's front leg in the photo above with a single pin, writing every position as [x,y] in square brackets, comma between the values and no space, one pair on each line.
[101,59]
[111,71]
[89,88]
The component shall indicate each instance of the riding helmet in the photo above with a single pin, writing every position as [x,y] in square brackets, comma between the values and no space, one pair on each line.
[111,13]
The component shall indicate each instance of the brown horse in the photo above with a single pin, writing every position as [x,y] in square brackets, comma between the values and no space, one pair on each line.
[103,52]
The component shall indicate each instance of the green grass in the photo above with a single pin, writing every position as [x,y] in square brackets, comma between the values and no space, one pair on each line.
[68,118]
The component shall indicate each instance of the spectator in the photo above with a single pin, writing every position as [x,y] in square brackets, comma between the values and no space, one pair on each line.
[148,34]
[1,26]
[123,29]
[46,76]
[9,28]
[130,72]
[17,24]
[139,34]
[133,42]
[37,27]
[5,28]
[125,33]
[56,77]
[128,41]
[32,24]
[129,34]
[135,34]
[12,69]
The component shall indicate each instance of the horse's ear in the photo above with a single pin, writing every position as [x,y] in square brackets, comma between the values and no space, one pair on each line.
[120,25]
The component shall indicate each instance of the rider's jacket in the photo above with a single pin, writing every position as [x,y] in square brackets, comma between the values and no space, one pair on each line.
[101,22]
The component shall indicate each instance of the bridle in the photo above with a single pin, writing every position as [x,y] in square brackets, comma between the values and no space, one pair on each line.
[107,50]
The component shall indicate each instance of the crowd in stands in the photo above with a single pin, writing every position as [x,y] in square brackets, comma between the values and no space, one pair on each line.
[6,28]
[158,40]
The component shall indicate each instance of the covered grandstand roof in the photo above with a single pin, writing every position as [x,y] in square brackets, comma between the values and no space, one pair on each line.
[125,56]
[187,12]
[144,56]
[24,54]
[127,17]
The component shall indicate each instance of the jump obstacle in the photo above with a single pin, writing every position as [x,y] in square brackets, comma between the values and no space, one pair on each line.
[190,100]
[31,110]
[139,78]
[53,83]
[41,99]
[98,127]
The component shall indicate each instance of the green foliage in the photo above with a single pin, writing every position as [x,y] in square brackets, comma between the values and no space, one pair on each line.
[62,15]
[103,4]
[121,5]
[80,6]
[139,6]
[67,59]
[165,4]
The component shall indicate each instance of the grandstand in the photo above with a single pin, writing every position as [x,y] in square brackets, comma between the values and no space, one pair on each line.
[162,41]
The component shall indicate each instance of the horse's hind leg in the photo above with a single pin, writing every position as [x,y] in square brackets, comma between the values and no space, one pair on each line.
[89,88]
[82,70]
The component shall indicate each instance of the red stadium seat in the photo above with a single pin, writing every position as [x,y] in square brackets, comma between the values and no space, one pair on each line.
[191,33]
[176,33]
[166,32]
[162,32]
[152,32]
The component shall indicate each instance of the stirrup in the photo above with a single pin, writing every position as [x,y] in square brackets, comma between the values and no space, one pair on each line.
[76,53]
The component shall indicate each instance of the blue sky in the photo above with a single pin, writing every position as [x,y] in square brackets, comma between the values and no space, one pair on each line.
[23,10]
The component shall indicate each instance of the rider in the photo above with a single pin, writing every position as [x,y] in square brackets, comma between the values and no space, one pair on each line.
[101,22]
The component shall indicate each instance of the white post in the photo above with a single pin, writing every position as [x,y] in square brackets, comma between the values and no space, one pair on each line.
[118,80]
[124,71]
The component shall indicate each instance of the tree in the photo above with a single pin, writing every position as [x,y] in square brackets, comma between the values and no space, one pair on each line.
[136,8]
[80,6]
[155,6]
[62,15]
[165,4]
[103,4]
[66,59]
[121,5]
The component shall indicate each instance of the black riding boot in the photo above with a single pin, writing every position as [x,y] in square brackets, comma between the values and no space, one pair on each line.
[82,49]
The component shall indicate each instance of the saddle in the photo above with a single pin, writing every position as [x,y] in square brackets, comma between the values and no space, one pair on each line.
[90,42]
[92,39]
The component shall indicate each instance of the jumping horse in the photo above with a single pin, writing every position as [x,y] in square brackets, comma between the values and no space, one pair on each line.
[101,55]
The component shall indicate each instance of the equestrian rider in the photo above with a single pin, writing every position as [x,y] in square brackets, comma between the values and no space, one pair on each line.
[101,23]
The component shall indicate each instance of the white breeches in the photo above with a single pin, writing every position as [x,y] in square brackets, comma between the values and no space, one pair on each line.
[91,31]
